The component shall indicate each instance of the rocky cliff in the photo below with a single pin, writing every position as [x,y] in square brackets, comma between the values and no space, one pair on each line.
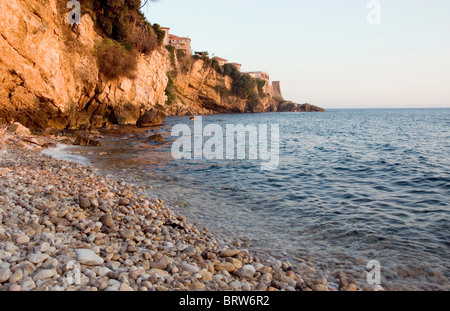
[50,76]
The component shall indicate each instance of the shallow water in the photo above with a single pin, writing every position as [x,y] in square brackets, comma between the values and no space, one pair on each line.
[352,186]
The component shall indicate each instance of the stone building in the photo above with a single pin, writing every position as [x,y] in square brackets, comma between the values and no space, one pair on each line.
[276,87]
[259,75]
[166,38]
[181,43]
[221,61]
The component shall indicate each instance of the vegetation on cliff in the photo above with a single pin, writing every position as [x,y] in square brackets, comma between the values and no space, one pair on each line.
[126,33]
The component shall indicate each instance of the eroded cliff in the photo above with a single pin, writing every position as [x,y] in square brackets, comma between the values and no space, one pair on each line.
[50,77]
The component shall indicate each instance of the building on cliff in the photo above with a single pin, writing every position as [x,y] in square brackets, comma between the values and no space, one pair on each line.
[259,75]
[166,37]
[181,43]
[221,61]
[238,66]
[276,87]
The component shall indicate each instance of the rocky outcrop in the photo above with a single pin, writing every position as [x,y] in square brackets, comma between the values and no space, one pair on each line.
[289,106]
[49,74]
[152,117]
[50,77]
[201,90]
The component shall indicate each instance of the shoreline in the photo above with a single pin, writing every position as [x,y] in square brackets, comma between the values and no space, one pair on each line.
[135,242]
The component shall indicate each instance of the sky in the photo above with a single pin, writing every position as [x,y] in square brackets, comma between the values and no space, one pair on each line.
[325,52]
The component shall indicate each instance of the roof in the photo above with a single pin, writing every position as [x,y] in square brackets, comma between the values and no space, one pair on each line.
[176,37]
[236,64]
[219,58]
[164,28]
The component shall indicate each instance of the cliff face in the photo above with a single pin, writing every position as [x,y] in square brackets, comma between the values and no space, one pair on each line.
[50,77]
[49,74]
[201,90]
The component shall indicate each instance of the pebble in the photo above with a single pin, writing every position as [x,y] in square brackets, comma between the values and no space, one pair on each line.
[189,268]
[247,271]
[44,274]
[127,234]
[107,221]
[88,257]
[22,239]
[84,202]
[4,275]
[82,231]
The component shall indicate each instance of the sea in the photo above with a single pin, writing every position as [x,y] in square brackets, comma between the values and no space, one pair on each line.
[351,186]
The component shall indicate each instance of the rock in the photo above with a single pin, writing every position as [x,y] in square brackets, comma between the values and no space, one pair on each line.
[37,258]
[189,268]
[124,202]
[28,285]
[227,266]
[197,286]
[88,257]
[158,273]
[44,274]
[152,117]
[349,288]
[82,140]
[157,138]
[16,276]
[22,239]
[5,274]
[18,128]
[4,254]
[319,288]
[127,234]
[125,288]
[14,288]
[107,221]
[229,253]
[247,271]
[84,202]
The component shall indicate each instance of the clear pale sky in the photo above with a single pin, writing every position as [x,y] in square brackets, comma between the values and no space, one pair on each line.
[324,52]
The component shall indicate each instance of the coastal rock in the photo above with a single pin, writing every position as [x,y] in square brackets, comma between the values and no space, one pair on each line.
[5,274]
[44,274]
[157,138]
[107,221]
[158,273]
[22,239]
[227,266]
[83,140]
[37,258]
[247,271]
[189,268]
[229,253]
[127,234]
[152,117]
[88,257]
[18,128]
[84,202]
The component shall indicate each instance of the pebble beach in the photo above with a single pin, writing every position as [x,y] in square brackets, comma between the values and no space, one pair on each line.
[65,228]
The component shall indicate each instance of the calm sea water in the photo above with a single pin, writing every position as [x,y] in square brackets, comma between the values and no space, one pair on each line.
[352,186]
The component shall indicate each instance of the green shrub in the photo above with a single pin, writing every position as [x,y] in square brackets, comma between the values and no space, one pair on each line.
[171,50]
[160,34]
[261,84]
[244,86]
[121,20]
[115,61]
[222,91]
[232,71]
[171,91]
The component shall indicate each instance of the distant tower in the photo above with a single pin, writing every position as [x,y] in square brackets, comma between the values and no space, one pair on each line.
[277,88]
